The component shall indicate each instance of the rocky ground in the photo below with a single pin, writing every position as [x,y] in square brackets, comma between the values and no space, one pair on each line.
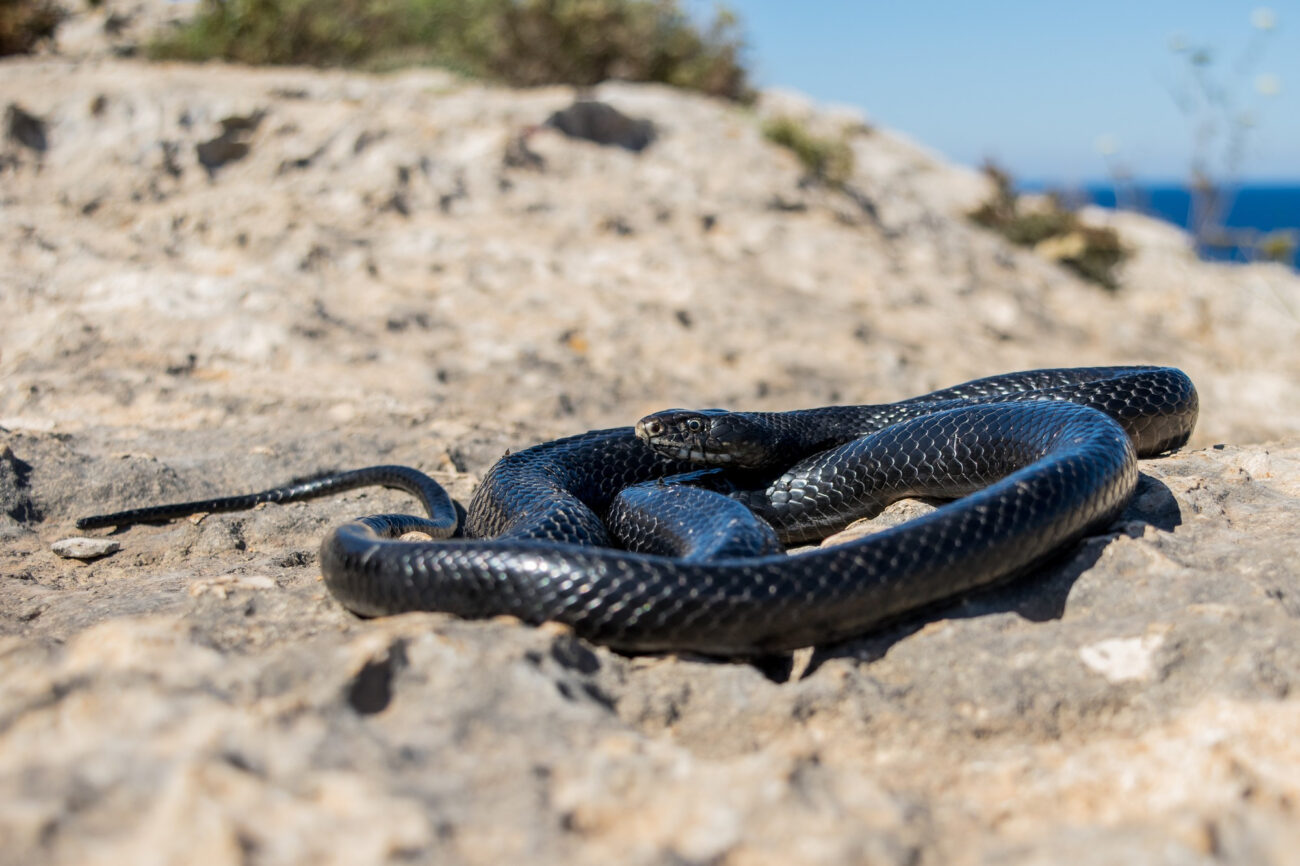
[217,278]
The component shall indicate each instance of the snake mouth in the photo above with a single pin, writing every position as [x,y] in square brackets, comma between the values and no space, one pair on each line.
[671,440]
[694,455]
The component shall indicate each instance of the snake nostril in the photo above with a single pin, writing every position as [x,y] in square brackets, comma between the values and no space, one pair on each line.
[654,428]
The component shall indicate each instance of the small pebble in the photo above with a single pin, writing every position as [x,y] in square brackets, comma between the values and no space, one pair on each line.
[85,548]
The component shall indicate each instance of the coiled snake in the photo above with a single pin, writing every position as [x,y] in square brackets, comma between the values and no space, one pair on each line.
[1040,459]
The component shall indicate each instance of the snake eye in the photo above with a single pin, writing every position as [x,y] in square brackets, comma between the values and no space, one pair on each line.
[693,424]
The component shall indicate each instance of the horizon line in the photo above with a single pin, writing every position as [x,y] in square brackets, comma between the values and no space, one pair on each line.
[1154,181]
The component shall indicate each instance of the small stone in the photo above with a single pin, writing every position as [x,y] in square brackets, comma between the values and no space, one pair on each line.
[603,124]
[25,128]
[232,144]
[1122,659]
[85,548]
[218,151]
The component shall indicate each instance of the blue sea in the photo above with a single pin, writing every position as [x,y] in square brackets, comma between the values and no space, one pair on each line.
[1262,208]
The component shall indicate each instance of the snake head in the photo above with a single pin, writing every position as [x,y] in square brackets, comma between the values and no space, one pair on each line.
[714,437]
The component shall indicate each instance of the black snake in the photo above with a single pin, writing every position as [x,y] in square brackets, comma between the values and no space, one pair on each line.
[1040,459]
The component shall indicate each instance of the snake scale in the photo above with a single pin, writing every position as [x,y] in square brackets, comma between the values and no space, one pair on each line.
[1034,461]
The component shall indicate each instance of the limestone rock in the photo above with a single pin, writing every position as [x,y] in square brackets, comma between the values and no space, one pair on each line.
[85,548]
[415,269]
[207,688]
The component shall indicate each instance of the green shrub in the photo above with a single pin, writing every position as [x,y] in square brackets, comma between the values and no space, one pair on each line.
[520,42]
[24,23]
[1032,228]
[588,41]
[1098,256]
[1277,246]
[828,159]
[311,32]
[1054,230]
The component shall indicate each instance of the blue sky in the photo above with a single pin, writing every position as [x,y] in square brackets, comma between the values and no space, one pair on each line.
[1035,84]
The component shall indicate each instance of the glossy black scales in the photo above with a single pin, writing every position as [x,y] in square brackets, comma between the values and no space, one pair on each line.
[1040,458]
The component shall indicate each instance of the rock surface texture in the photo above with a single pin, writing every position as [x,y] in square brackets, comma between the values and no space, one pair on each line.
[215,279]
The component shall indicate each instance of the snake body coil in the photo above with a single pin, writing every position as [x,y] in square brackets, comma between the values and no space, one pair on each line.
[1040,458]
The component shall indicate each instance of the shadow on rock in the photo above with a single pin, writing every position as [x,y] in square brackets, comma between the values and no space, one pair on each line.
[1153,503]
[15,488]
[1037,595]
